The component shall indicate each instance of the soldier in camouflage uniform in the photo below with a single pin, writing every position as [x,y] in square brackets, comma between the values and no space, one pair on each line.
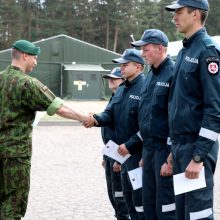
[20,97]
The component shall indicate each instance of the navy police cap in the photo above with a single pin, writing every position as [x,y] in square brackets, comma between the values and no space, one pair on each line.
[130,55]
[26,47]
[200,4]
[115,74]
[152,36]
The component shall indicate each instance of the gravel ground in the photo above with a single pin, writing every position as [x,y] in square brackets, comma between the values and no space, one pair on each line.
[67,180]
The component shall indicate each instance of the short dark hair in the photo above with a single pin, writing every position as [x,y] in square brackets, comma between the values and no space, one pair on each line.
[203,13]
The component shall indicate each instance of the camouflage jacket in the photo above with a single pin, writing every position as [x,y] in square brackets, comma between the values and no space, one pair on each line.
[20,97]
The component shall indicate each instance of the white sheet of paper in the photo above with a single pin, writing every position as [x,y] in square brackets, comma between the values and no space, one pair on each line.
[111,150]
[136,178]
[183,184]
[38,117]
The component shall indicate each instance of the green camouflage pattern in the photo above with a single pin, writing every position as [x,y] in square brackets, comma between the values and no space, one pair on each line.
[20,97]
[14,187]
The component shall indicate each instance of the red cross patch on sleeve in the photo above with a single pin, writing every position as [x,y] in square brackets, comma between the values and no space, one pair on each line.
[213,65]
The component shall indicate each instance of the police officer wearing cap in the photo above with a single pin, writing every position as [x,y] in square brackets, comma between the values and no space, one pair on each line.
[112,167]
[157,193]
[20,97]
[194,108]
[123,114]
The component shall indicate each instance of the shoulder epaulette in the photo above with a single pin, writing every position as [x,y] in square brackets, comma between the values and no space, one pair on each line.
[208,42]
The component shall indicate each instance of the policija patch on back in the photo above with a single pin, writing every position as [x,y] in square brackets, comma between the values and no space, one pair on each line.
[213,65]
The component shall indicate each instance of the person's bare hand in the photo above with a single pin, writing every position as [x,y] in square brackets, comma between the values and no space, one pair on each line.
[103,164]
[166,169]
[122,150]
[88,121]
[141,163]
[193,170]
[116,167]
[90,114]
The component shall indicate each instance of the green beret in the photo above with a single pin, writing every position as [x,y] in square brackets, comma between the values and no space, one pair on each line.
[26,47]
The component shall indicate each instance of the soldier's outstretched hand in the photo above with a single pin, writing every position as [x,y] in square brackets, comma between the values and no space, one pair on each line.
[89,121]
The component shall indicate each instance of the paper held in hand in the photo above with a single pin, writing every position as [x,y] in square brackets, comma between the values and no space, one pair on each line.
[111,150]
[183,184]
[135,176]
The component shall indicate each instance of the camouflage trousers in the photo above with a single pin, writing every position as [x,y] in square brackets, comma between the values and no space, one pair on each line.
[14,187]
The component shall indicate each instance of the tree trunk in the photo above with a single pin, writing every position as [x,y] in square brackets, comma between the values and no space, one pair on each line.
[107,33]
[29,21]
[116,38]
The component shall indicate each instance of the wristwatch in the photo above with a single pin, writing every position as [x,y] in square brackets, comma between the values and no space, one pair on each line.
[197,158]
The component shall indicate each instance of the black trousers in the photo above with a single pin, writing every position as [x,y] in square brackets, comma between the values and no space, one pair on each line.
[197,204]
[115,193]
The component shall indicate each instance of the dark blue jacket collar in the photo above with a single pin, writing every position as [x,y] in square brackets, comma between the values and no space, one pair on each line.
[161,66]
[187,42]
[130,83]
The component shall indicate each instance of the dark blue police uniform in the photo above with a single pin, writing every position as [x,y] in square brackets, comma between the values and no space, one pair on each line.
[123,113]
[113,179]
[194,119]
[158,193]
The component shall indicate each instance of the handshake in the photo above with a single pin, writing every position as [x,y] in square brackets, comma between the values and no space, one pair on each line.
[89,121]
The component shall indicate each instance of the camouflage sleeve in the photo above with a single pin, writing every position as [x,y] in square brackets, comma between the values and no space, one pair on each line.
[38,97]
[54,106]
